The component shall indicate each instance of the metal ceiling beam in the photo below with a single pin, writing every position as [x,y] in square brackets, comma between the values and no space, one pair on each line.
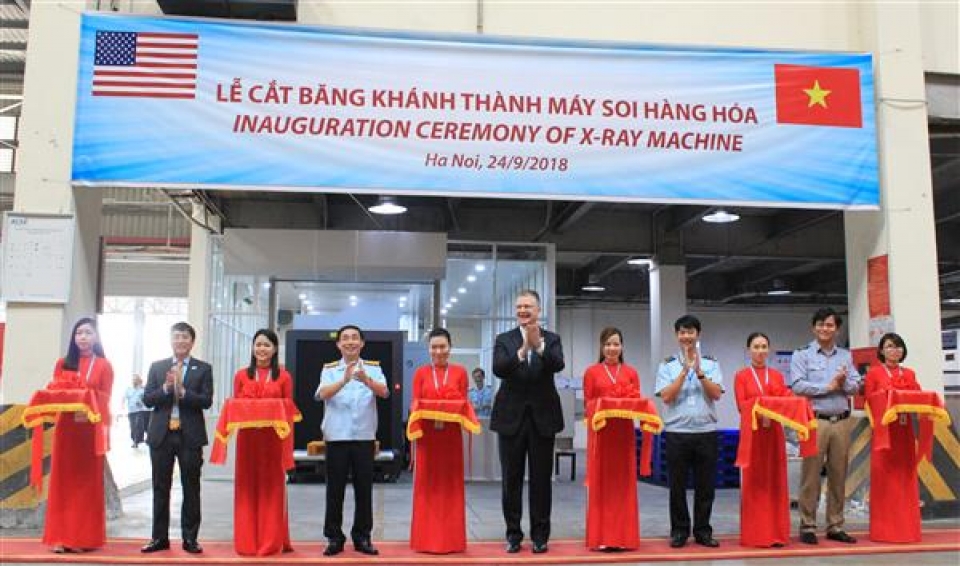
[578,212]
[453,203]
[16,24]
[777,233]
[13,45]
[681,217]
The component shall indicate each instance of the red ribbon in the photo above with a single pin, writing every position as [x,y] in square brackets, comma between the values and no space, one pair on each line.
[247,412]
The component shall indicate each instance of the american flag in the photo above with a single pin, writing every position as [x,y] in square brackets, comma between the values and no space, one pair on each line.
[153,65]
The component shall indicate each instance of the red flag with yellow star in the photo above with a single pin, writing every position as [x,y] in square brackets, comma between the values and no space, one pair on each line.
[818,96]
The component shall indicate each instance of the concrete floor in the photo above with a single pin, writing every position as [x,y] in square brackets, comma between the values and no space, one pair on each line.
[392,508]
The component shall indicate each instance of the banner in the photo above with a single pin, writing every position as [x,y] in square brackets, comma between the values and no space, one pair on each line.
[218,104]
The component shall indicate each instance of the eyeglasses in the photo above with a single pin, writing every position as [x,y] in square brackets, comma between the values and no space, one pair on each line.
[892,347]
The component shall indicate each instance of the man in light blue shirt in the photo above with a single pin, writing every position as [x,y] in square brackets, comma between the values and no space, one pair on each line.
[481,397]
[137,412]
[824,373]
[689,386]
[349,388]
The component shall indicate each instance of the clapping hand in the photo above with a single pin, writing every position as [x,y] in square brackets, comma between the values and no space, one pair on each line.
[839,379]
[534,337]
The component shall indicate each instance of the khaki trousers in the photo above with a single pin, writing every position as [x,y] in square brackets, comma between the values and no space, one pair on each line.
[833,447]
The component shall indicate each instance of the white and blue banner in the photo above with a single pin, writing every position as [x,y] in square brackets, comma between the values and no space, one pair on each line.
[214,104]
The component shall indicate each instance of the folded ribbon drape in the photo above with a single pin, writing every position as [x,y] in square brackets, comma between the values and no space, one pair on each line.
[885,407]
[268,412]
[45,406]
[791,412]
[631,408]
[458,411]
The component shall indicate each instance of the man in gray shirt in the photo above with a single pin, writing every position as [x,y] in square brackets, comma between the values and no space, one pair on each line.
[824,373]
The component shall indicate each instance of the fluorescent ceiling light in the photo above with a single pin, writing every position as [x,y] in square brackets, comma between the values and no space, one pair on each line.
[462,290]
[779,288]
[471,278]
[721,216]
[593,288]
[454,300]
[443,311]
[480,267]
[387,205]
[644,261]
[302,296]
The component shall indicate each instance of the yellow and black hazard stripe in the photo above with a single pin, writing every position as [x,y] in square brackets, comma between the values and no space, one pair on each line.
[939,479]
[858,467]
[15,451]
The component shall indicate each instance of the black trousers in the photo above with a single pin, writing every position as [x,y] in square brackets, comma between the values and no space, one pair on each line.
[138,425]
[349,458]
[191,462]
[516,450]
[696,452]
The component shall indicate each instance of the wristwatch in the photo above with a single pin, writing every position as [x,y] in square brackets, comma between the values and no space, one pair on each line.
[701,375]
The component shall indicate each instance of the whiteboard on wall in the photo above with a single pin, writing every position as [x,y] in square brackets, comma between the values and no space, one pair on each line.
[37,257]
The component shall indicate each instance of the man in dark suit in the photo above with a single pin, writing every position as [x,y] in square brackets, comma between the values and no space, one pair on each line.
[526,416]
[178,389]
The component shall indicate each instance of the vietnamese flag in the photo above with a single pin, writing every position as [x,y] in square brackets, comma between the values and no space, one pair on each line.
[818,96]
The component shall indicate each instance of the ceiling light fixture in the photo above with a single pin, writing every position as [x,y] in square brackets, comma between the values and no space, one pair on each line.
[302,296]
[480,267]
[593,285]
[443,311]
[721,216]
[387,205]
[779,288]
[462,290]
[471,278]
[454,300]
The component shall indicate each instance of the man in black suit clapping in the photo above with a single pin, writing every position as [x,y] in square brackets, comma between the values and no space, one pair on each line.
[178,389]
[526,416]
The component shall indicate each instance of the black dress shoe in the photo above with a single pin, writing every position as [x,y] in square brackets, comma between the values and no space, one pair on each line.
[808,538]
[678,541]
[540,547]
[334,548]
[513,546]
[707,541]
[192,546]
[841,536]
[155,545]
[366,547]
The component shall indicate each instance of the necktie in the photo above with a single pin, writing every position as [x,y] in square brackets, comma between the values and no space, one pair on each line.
[177,384]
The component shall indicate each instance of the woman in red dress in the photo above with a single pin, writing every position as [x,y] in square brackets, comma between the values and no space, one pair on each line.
[439,519]
[894,490]
[260,491]
[764,495]
[76,510]
[613,522]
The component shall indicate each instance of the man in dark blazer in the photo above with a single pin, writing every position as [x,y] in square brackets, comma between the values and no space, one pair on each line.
[527,416]
[178,389]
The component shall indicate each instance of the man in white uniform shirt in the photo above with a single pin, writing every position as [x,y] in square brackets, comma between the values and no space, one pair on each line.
[349,388]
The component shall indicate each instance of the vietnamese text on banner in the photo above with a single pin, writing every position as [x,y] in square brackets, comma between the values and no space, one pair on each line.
[217,104]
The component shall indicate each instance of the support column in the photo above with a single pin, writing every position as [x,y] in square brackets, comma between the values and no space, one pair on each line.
[904,229]
[200,281]
[668,301]
[36,333]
